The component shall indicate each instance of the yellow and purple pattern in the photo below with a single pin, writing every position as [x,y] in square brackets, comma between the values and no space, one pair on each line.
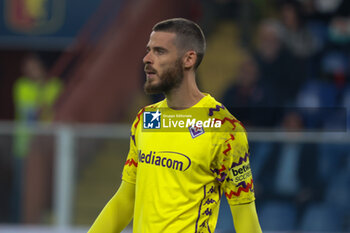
[180,179]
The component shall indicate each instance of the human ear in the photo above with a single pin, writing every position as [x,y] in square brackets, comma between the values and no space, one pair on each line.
[189,59]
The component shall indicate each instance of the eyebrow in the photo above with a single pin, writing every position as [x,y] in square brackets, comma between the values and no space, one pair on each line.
[157,48]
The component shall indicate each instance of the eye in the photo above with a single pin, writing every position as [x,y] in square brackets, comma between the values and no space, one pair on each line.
[159,51]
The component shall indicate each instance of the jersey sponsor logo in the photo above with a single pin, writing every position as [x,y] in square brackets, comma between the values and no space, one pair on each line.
[167,159]
[152,120]
[241,169]
[241,172]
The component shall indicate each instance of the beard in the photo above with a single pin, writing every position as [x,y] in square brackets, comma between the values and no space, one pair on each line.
[169,80]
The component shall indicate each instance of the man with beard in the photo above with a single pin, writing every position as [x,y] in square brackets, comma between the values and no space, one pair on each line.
[173,179]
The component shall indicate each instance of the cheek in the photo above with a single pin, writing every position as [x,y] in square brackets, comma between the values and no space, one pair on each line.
[161,69]
[166,65]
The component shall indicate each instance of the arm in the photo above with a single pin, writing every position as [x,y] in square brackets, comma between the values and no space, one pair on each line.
[118,212]
[245,218]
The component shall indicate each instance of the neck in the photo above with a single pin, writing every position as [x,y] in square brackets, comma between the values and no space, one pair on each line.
[186,95]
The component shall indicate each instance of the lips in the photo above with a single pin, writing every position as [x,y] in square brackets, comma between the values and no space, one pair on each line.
[149,70]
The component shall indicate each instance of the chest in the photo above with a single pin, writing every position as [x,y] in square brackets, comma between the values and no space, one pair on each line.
[174,152]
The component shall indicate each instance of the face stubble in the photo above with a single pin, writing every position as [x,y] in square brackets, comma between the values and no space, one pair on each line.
[169,80]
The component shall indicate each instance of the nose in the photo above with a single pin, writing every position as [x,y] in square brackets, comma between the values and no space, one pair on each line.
[147,59]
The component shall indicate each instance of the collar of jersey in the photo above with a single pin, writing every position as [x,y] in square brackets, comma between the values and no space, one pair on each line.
[201,103]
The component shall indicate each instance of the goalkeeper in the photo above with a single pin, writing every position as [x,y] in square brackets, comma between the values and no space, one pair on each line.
[173,181]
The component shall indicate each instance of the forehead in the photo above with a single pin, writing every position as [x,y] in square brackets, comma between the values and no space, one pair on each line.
[162,39]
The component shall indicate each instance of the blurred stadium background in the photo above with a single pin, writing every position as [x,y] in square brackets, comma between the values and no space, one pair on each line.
[71,77]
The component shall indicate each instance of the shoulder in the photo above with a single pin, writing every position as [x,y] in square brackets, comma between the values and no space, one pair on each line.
[150,107]
[220,113]
[156,105]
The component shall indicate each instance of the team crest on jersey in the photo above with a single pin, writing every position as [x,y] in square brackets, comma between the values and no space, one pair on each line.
[34,16]
[196,130]
[152,120]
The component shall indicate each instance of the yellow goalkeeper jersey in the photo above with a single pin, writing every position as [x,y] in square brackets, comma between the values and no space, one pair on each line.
[182,162]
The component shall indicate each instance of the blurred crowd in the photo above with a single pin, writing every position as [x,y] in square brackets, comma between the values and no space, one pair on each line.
[298,57]
[294,78]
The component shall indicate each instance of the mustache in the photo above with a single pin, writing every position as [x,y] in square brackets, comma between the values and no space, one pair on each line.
[149,68]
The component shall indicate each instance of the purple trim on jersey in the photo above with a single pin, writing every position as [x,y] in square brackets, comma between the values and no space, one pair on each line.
[208,225]
[133,138]
[215,171]
[217,108]
[223,177]
[200,206]
[241,160]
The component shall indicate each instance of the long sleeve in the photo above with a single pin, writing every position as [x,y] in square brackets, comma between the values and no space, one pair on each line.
[118,212]
[245,218]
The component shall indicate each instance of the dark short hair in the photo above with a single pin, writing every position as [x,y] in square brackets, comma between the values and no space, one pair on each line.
[189,35]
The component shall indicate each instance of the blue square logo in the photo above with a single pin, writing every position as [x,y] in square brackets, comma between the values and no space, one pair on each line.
[151,120]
